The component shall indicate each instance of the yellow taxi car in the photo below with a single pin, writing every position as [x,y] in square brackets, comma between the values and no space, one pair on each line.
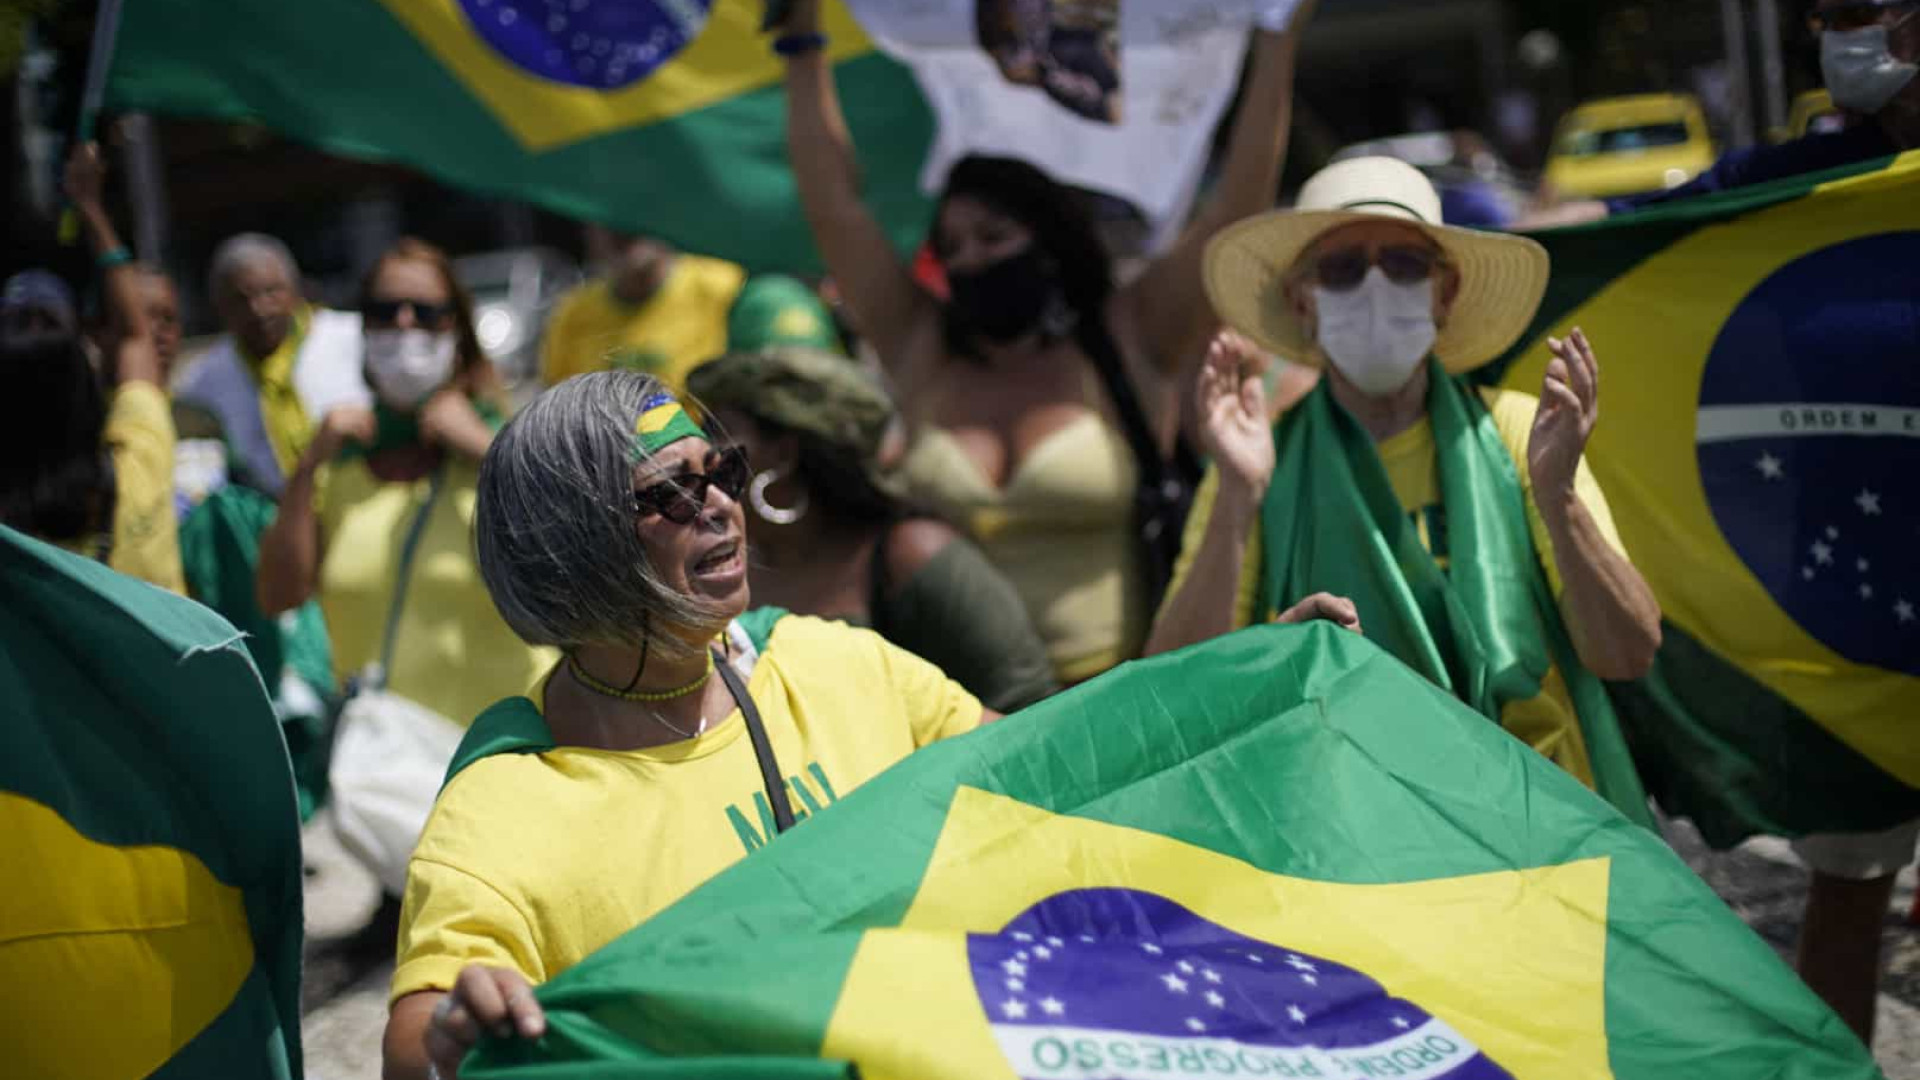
[1813,113]
[1613,147]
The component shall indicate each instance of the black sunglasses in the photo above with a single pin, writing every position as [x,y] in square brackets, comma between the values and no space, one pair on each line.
[387,312]
[1345,268]
[1854,15]
[680,500]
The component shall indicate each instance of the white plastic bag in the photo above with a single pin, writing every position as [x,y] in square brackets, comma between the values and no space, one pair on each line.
[389,757]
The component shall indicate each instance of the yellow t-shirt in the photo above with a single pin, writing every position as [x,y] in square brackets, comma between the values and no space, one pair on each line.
[139,434]
[1547,722]
[452,651]
[532,861]
[680,327]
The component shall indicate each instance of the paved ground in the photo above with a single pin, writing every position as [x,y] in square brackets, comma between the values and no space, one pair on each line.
[347,971]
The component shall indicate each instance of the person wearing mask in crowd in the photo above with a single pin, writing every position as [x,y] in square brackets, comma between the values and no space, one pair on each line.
[282,365]
[375,521]
[1869,59]
[654,310]
[1463,525]
[1009,386]
[835,538]
[610,528]
[88,471]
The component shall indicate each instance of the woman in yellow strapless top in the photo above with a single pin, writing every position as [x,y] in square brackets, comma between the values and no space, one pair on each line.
[1014,434]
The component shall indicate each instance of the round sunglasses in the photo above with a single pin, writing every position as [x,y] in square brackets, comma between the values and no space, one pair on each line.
[1345,268]
[680,500]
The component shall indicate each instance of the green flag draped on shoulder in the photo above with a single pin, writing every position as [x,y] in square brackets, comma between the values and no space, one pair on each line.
[1282,853]
[152,923]
[1487,627]
[661,116]
[1760,442]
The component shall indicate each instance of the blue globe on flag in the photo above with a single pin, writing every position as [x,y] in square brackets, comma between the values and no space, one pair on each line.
[1120,983]
[597,44]
[1808,442]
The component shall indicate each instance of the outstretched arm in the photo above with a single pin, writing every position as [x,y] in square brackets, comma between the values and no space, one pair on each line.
[887,306]
[1169,298]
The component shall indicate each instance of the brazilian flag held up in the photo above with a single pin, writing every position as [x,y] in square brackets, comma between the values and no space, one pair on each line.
[151,922]
[1759,443]
[661,116]
[1280,854]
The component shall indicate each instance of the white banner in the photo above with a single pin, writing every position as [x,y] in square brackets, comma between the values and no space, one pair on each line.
[1120,96]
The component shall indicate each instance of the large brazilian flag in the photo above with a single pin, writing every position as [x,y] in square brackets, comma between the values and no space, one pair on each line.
[151,921]
[1279,854]
[1759,442]
[663,116]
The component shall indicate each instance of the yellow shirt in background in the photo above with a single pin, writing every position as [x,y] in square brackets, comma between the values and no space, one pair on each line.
[139,434]
[289,428]
[680,327]
[532,861]
[452,653]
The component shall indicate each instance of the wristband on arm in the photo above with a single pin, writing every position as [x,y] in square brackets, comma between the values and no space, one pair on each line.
[792,45]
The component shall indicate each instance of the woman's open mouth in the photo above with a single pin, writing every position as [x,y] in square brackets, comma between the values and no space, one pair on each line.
[724,558]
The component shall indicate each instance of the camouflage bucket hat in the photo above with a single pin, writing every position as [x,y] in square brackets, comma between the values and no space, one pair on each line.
[805,390]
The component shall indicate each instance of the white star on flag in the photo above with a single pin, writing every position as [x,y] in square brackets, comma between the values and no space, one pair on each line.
[1866,592]
[1833,533]
[1013,967]
[1194,1024]
[1298,1014]
[1903,610]
[1021,955]
[1043,952]
[1256,958]
[1298,964]
[1769,467]
[1861,565]
[1022,936]
[1056,942]
[1014,1008]
[1016,985]
[1868,502]
[1822,552]
[1151,948]
[1210,975]
[1310,980]
[1088,938]
[1401,1023]
[1174,982]
[1215,999]
[1185,967]
[1053,1006]
[1807,572]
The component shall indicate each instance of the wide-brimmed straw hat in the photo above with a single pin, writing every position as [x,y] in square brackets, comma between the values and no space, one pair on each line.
[1502,277]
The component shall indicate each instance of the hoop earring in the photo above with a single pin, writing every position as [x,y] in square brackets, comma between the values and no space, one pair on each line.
[769,513]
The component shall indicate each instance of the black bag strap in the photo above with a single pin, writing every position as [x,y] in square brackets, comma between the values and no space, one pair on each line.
[1155,469]
[762,749]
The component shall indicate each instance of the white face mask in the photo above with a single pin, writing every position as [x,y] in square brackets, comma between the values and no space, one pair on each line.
[1861,71]
[406,366]
[1377,333]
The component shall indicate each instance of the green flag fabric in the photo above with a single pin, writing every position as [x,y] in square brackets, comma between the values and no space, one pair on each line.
[1486,627]
[1282,853]
[220,550]
[1759,439]
[152,925]
[647,115]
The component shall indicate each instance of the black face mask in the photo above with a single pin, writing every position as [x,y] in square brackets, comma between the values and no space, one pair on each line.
[1004,301]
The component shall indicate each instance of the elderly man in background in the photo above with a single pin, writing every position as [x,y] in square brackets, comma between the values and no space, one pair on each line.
[282,365]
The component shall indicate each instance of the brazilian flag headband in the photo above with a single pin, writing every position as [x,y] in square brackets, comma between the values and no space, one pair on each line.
[662,423]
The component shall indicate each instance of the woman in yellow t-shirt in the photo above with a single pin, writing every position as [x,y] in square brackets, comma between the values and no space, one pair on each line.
[609,527]
[91,472]
[390,488]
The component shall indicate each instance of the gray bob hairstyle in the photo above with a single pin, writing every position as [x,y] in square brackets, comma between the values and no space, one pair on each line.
[245,249]
[554,525]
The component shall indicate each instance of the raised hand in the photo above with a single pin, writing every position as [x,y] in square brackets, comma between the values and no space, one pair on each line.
[1232,403]
[1569,408]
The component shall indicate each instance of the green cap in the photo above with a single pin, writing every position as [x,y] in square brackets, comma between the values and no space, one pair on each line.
[806,390]
[774,310]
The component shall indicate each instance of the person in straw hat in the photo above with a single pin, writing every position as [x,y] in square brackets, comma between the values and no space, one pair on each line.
[1461,523]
